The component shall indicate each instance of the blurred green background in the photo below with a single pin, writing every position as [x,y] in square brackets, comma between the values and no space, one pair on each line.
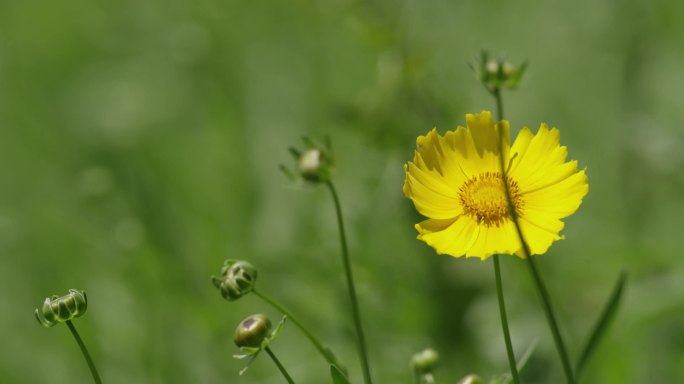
[140,143]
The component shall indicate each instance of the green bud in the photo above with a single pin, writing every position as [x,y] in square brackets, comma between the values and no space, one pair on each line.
[471,379]
[237,279]
[314,164]
[252,331]
[62,309]
[425,362]
[309,164]
[496,74]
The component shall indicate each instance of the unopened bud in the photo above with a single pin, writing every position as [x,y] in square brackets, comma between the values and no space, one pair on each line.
[492,67]
[252,331]
[471,379]
[310,164]
[499,73]
[313,164]
[508,69]
[237,279]
[57,309]
[425,361]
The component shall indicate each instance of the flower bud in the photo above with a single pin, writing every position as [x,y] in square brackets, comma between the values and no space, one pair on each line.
[499,73]
[252,331]
[62,309]
[310,164]
[425,362]
[237,279]
[471,379]
[314,164]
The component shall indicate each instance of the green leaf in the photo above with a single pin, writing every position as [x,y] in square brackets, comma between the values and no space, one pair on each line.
[278,328]
[337,376]
[522,362]
[603,323]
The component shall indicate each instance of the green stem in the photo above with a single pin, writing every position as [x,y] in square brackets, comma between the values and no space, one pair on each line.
[329,357]
[280,366]
[352,290]
[504,322]
[84,350]
[550,317]
[541,288]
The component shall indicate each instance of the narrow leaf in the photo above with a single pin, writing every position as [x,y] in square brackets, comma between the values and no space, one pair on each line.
[522,362]
[249,364]
[337,376]
[603,323]
[295,152]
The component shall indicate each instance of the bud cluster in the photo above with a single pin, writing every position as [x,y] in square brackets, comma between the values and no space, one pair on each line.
[499,73]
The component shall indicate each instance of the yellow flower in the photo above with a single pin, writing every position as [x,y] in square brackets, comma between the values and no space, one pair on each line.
[455,181]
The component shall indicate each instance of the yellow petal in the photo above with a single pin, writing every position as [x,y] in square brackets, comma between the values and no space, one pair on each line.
[496,240]
[451,237]
[539,239]
[536,157]
[479,144]
[561,199]
[431,197]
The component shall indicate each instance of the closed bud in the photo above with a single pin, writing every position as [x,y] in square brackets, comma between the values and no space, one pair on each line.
[425,362]
[57,309]
[313,164]
[309,164]
[471,379]
[497,74]
[237,279]
[252,331]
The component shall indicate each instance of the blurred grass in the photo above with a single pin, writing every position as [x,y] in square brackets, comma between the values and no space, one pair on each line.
[139,144]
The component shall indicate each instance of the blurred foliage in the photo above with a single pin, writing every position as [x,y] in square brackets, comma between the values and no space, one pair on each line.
[140,143]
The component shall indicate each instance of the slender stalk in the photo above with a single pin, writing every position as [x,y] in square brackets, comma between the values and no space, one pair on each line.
[280,366]
[497,273]
[504,322]
[551,318]
[84,350]
[541,287]
[350,285]
[319,346]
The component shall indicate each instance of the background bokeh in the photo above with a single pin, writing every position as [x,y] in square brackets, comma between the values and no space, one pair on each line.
[140,144]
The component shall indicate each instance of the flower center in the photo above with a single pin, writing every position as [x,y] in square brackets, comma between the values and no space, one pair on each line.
[483,197]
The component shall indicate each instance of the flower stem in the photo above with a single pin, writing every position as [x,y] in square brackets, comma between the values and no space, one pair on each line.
[280,366]
[550,317]
[84,350]
[350,285]
[504,322]
[541,288]
[319,346]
